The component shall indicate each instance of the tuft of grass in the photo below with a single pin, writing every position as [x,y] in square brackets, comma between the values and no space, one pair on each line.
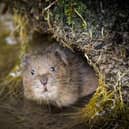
[106,109]
[23,30]
[101,98]
[21,27]
[11,84]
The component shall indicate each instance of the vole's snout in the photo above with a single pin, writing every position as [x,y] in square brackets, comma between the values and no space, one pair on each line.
[44,80]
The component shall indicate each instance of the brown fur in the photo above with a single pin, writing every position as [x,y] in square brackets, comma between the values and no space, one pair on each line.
[71,79]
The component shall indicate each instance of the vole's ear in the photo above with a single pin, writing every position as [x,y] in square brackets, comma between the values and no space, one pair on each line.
[61,55]
[25,61]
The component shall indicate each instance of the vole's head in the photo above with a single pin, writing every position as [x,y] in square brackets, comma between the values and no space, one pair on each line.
[45,78]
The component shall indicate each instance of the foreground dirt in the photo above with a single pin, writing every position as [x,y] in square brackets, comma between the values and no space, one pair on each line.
[29,115]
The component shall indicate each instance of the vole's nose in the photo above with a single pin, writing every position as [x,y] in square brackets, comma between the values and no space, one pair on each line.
[44,79]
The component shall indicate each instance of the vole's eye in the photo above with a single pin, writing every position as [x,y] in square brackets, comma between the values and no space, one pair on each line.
[52,69]
[32,71]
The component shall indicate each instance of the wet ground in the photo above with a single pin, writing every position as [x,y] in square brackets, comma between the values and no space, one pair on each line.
[18,113]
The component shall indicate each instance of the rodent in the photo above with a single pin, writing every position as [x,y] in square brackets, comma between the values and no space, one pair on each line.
[57,76]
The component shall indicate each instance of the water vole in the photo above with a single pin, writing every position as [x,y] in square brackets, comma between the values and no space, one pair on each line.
[57,76]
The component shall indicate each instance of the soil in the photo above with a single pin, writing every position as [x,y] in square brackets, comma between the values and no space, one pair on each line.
[23,114]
